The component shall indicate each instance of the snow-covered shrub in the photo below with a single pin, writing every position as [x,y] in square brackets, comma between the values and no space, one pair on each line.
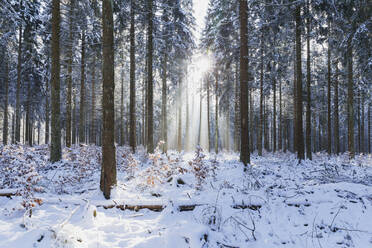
[159,169]
[19,167]
[199,167]
[126,162]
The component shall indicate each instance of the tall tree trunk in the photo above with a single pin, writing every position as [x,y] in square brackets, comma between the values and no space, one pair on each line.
[13,128]
[251,119]
[308,86]
[265,126]
[69,74]
[329,134]
[350,96]
[74,138]
[132,93]
[237,111]
[208,114]
[228,130]
[164,125]
[216,131]
[150,108]
[28,135]
[82,92]
[144,113]
[358,120]
[179,128]
[200,113]
[274,115]
[280,136]
[47,95]
[187,122]
[362,124]
[18,100]
[260,126]
[294,99]
[299,129]
[122,117]
[244,147]
[5,121]
[93,115]
[55,148]
[369,128]
[336,115]
[108,172]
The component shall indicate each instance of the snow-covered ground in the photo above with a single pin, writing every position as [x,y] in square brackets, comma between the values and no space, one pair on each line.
[276,202]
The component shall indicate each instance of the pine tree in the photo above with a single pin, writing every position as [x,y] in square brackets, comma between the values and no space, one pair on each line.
[132,96]
[6,102]
[244,143]
[298,98]
[150,83]
[108,171]
[55,148]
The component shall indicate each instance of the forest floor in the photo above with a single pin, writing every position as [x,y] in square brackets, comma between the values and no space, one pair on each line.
[184,200]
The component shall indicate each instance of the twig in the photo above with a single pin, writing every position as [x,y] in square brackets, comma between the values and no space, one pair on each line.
[334,217]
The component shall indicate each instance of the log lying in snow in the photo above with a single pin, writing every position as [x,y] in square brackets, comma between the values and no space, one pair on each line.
[156,208]
[252,206]
[181,208]
[8,192]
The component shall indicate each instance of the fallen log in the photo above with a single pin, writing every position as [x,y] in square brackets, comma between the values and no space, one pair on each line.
[8,192]
[252,206]
[181,208]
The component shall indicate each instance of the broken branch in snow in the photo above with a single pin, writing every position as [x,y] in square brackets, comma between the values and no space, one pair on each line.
[250,206]
[159,208]
[8,194]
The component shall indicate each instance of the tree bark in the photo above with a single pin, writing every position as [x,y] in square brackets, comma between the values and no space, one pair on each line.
[6,82]
[237,111]
[93,115]
[187,121]
[200,113]
[82,92]
[260,126]
[251,118]
[336,115]
[362,124]
[274,115]
[73,129]
[179,128]
[132,93]
[299,137]
[121,119]
[150,108]
[28,136]
[216,131]
[329,134]
[55,148]
[308,86]
[69,75]
[244,149]
[350,96]
[164,127]
[108,172]
[208,115]
[369,128]
[18,100]
[13,128]
[280,136]
[358,120]
[47,106]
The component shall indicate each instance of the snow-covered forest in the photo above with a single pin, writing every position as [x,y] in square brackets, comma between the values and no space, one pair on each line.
[185,123]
